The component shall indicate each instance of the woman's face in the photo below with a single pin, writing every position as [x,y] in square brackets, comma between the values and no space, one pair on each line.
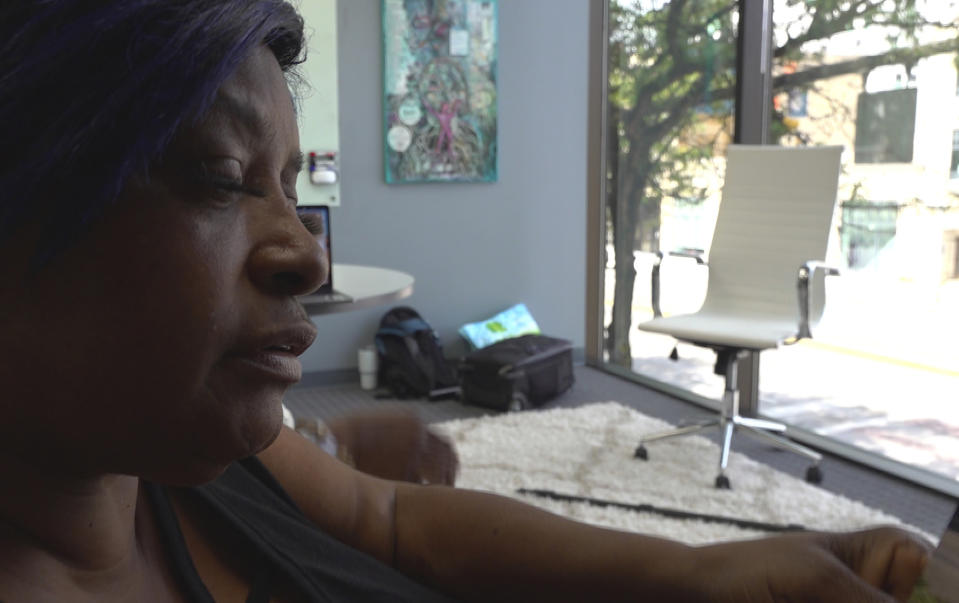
[161,345]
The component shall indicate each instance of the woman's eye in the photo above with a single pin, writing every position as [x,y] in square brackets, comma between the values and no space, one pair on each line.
[223,168]
[219,191]
[223,182]
[227,184]
[225,188]
[224,176]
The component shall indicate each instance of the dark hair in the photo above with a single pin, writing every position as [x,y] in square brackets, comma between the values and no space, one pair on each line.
[93,91]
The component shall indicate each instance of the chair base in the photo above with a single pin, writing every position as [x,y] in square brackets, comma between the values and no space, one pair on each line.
[757,428]
[730,420]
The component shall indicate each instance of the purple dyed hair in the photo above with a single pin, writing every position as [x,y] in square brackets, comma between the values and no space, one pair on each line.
[93,91]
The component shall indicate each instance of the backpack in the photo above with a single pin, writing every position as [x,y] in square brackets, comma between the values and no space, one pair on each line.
[411,361]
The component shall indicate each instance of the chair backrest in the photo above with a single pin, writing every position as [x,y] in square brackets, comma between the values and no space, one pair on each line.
[776,211]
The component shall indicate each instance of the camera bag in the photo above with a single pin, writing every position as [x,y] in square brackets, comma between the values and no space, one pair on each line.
[517,373]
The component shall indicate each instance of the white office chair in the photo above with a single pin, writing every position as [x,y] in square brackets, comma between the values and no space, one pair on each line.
[768,244]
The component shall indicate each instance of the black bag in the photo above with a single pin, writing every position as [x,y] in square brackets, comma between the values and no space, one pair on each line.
[411,361]
[517,373]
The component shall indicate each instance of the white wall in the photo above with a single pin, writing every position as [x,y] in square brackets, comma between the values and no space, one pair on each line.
[474,249]
[319,104]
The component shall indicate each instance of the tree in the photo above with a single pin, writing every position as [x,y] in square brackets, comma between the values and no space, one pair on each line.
[671,67]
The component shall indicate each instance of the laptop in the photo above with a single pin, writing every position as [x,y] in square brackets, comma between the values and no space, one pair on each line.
[940,581]
[316,218]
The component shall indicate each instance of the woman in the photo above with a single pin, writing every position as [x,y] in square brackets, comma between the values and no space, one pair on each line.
[151,259]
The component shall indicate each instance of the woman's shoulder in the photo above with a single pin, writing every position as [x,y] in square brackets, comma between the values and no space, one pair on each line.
[252,502]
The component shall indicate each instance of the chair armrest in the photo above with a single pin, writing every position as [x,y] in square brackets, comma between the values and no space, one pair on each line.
[806,272]
[695,254]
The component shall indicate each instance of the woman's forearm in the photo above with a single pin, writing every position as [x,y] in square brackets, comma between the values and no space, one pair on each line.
[486,547]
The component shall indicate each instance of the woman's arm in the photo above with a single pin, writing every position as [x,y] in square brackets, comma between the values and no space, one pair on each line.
[484,547]
[481,546]
[462,541]
[351,506]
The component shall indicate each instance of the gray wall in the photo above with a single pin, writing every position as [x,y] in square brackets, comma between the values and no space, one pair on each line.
[474,249]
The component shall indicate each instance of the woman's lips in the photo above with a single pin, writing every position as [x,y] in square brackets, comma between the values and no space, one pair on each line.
[274,364]
[272,353]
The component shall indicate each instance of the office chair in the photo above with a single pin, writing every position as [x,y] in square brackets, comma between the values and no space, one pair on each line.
[770,237]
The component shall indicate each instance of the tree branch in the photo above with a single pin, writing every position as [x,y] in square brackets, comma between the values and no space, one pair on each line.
[862,64]
[857,65]
[822,27]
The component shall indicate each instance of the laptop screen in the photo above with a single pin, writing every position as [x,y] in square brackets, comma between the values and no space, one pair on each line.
[316,218]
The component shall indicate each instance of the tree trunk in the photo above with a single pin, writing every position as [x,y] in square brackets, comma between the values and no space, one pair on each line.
[624,242]
[612,171]
[633,175]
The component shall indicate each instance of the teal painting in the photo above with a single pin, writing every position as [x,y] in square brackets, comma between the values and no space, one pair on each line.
[439,90]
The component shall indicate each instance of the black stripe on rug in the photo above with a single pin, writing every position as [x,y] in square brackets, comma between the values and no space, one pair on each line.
[666,512]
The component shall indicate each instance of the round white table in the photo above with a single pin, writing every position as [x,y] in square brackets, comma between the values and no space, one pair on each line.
[369,286]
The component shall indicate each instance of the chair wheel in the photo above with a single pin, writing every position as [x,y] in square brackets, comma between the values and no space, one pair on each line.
[641,453]
[722,482]
[518,402]
[814,475]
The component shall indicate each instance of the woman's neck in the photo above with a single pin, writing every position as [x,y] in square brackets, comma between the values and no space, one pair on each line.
[92,533]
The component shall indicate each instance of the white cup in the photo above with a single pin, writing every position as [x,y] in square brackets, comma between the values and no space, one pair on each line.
[367,360]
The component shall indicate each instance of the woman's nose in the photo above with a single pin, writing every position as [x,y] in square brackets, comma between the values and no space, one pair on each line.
[290,261]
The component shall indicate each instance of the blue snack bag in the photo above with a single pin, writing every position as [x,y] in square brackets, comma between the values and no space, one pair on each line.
[512,322]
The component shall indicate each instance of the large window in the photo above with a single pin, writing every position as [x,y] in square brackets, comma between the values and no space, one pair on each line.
[875,76]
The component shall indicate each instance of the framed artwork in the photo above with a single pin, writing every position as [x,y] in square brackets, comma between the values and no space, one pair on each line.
[439,90]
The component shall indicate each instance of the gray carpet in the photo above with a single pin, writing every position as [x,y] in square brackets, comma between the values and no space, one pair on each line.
[918,506]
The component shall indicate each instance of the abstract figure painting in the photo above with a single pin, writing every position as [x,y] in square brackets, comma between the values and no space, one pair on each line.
[439,84]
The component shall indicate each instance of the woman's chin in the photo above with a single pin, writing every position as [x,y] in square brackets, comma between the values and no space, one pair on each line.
[201,468]
[207,459]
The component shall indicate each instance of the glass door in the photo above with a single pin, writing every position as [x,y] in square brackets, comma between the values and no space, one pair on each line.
[878,77]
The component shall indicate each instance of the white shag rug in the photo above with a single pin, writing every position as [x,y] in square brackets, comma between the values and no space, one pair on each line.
[588,452]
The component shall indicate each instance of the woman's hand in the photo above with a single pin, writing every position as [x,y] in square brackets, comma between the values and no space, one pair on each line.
[395,444]
[881,564]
